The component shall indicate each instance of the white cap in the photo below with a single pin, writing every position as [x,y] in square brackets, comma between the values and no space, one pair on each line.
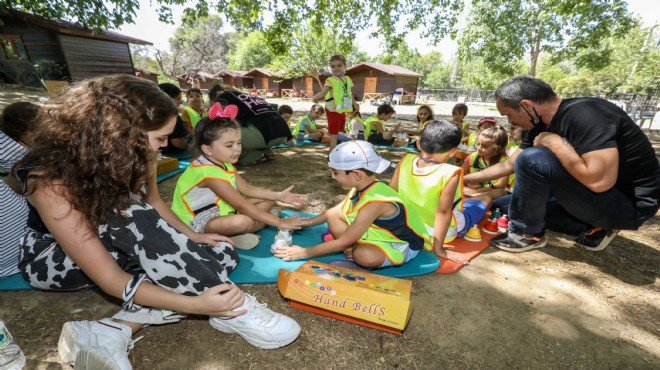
[358,154]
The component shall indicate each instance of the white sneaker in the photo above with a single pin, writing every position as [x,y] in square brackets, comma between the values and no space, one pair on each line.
[102,344]
[260,326]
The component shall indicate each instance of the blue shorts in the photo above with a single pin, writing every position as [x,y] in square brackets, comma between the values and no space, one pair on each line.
[473,211]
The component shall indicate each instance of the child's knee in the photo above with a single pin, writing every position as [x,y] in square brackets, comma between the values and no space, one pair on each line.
[368,256]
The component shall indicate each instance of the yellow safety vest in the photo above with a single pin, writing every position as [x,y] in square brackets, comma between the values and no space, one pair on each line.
[296,129]
[195,116]
[369,127]
[191,177]
[472,166]
[335,97]
[348,126]
[379,237]
[422,191]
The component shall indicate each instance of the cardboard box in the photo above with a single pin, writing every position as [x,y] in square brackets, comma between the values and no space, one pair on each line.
[356,296]
[166,164]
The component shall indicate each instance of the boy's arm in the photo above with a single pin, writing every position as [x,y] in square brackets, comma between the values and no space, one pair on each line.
[443,215]
[364,219]
[321,94]
[394,183]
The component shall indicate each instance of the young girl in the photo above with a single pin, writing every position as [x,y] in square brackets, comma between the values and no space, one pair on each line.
[306,128]
[355,127]
[338,96]
[90,179]
[211,196]
[485,123]
[491,146]
[458,114]
[424,116]
[194,111]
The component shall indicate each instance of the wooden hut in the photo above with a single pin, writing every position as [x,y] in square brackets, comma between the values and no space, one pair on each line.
[302,87]
[34,48]
[147,75]
[200,80]
[265,81]
[238,79]
[375,81]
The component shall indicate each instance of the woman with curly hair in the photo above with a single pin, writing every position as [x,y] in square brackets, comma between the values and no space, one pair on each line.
[96,219]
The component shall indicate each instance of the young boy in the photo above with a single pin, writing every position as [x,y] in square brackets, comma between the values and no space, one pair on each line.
[374,126]
[338,96]
[433,188]
[459,112]
[286,112]
[372,225]
[194,111]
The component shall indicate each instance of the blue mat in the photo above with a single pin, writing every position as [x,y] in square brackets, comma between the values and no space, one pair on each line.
[259,265]
[14,282]
[183,164]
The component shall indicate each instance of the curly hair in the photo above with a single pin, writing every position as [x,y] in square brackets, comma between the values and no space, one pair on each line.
[83,138]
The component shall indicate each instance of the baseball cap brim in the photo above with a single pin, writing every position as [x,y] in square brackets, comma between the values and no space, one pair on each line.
[385,167]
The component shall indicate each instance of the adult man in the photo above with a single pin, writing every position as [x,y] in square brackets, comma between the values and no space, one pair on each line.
[583,161]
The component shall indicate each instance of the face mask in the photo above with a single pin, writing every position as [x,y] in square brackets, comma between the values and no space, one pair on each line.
[536,121]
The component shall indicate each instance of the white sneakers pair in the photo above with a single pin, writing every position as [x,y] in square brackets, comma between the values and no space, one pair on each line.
[104,344]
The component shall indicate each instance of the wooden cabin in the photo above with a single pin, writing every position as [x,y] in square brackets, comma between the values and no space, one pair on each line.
[200,80]
[237,79]
[35,48]
[147,75]
[302,87]
[375,81]
[265,81]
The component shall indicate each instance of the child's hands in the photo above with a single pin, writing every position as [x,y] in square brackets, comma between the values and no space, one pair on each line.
[286,196]
[220,300]
[213,240]
[291,253]
[293,223]
[440,252]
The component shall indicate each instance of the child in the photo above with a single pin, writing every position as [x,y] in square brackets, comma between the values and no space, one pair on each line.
[372,225]
[338,96]
[433,189]
[306,128]
[286,112]
[211,195]
[374,126]
[491,146]
[424,116]
[459,112]
[92,225]
[485,123]
[355,127]
[17,125]
[194,111]
[177,141]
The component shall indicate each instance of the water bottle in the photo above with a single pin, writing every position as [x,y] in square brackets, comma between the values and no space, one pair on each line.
[11,356]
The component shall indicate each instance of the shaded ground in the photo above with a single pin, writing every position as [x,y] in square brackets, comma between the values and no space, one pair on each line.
[558,307]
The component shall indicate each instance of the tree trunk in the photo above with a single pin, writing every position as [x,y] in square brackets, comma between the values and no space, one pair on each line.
[535,51]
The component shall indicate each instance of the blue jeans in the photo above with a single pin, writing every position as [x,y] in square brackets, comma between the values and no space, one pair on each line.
[541,178]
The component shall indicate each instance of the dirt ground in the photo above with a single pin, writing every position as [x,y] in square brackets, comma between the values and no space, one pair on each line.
[558,307]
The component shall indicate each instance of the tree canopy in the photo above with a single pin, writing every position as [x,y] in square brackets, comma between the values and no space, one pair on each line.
[503,32]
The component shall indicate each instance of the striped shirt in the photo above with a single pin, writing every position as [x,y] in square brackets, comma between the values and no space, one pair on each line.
[13,209]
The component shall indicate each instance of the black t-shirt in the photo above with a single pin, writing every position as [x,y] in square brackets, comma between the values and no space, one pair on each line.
[590,124]
[256,111]
[180,132]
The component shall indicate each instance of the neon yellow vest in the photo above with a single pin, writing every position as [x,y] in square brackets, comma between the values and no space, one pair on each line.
[420,128]
[335,97]
[422,192]
[472,168]
[296,129]
[379,192]
[510,149]
[472,139]
[348,127]
[191,177]
[194,115]
[369,127]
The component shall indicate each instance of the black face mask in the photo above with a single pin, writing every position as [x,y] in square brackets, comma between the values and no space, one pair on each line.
[536,121]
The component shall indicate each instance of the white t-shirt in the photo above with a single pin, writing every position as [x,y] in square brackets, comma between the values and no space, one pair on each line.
[356,127]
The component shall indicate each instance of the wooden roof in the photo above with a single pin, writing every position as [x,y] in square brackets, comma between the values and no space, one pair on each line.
[387,68]
[264,71]
[73,29]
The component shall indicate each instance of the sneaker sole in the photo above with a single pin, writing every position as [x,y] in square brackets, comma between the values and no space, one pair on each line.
[66,345]
[246,241]
[519,250]
[89,358]
[220,326]
[603,244]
